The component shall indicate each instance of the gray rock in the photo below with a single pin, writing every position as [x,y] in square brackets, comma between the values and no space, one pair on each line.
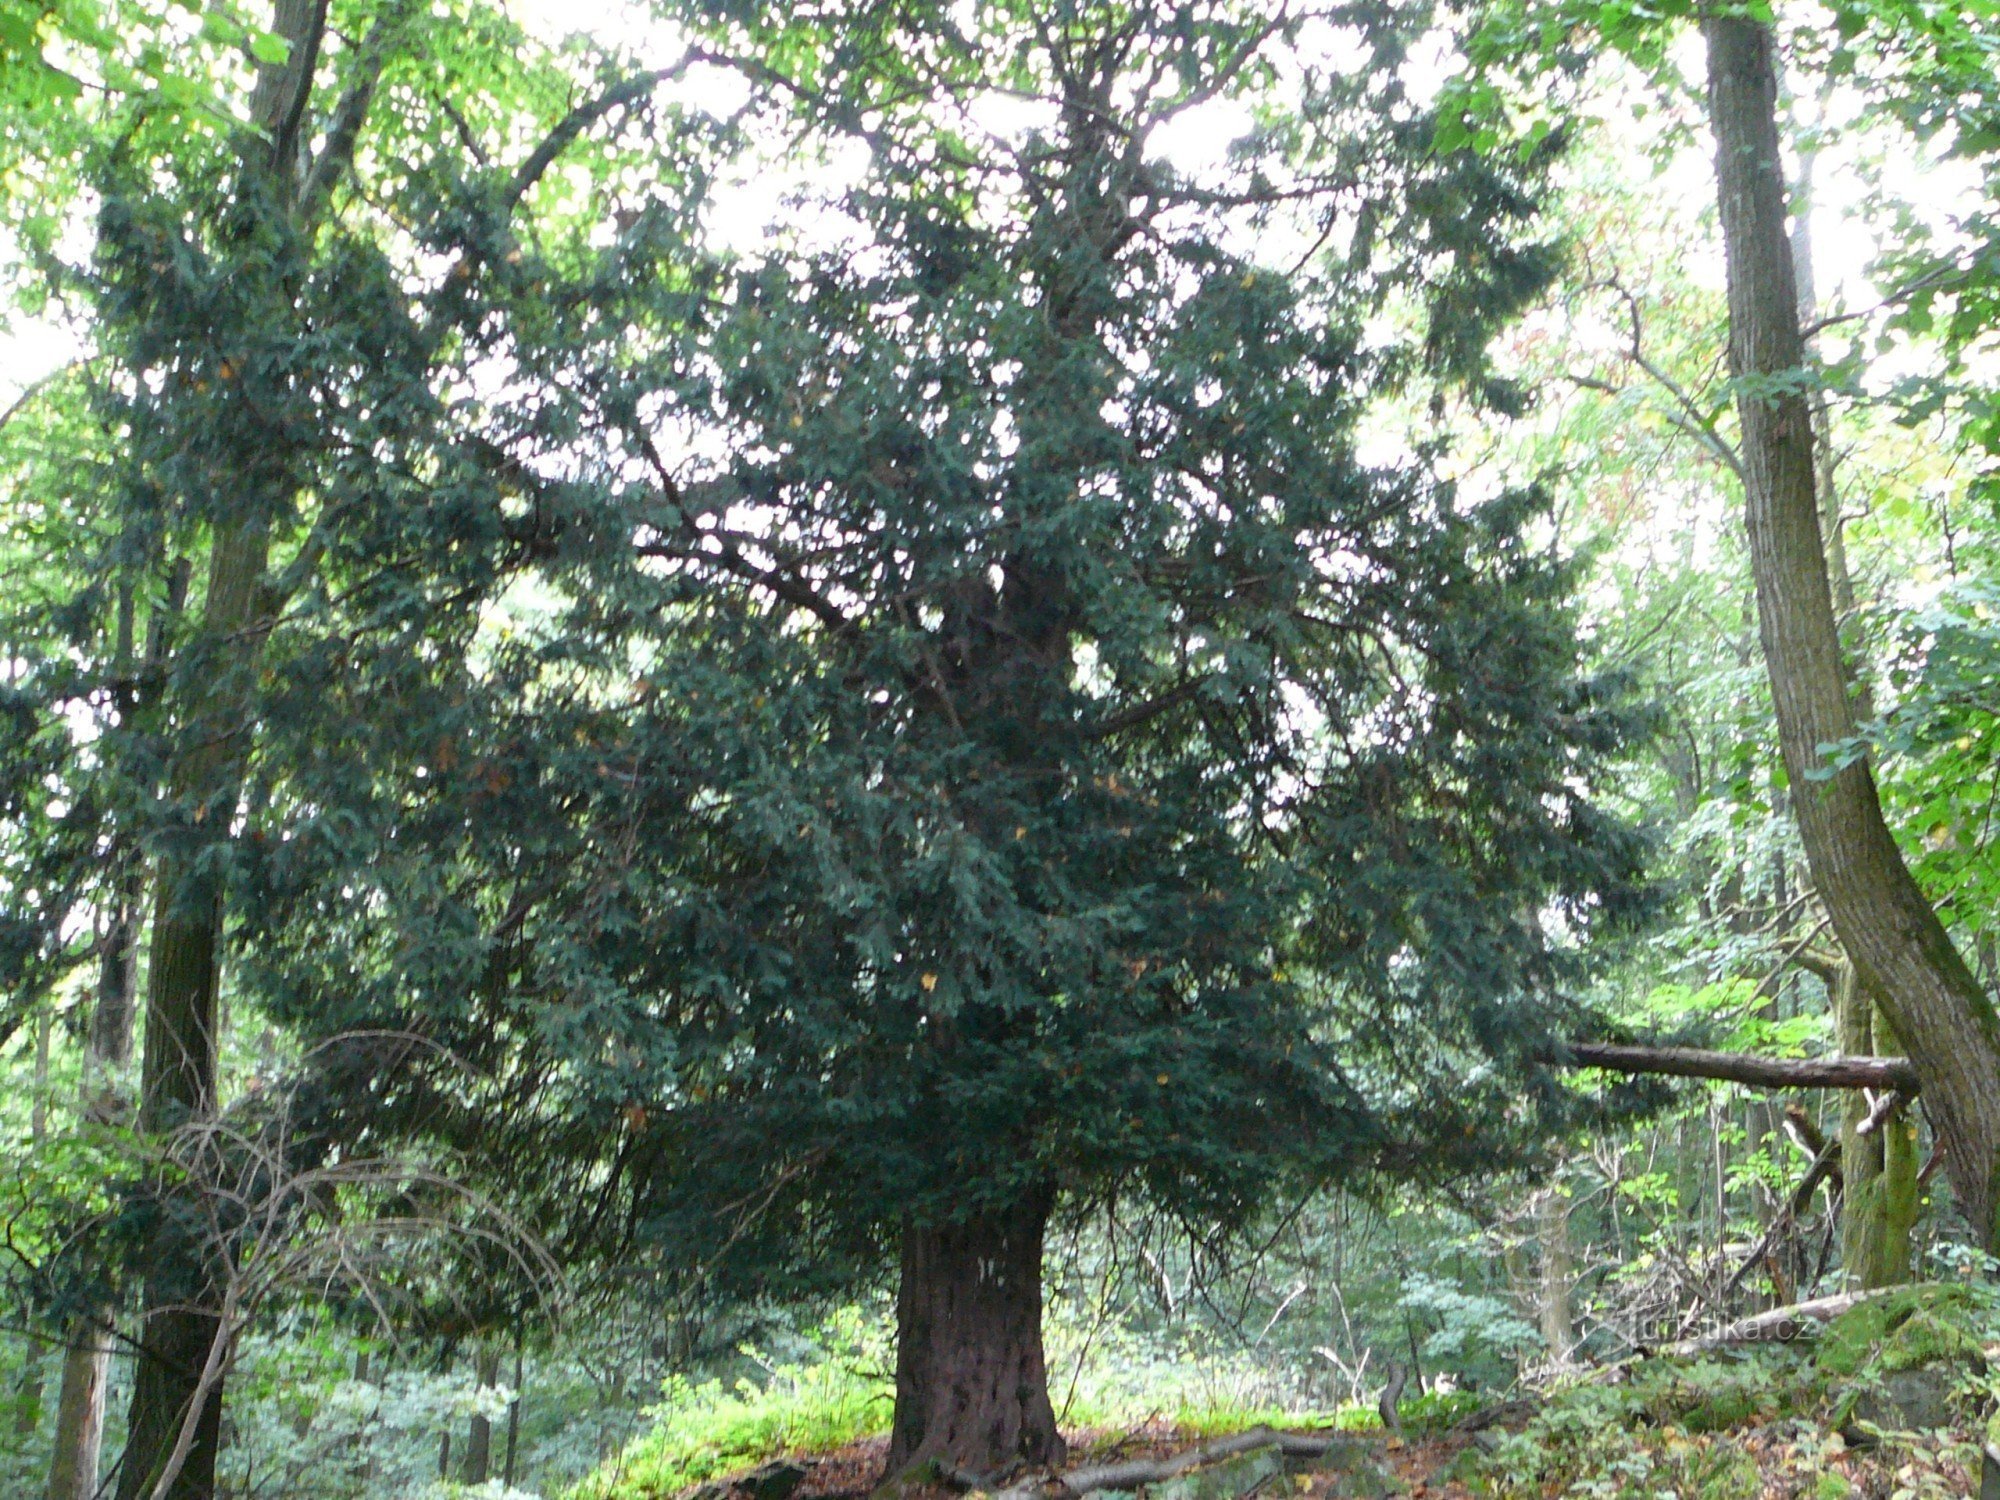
[1906,1400]
[1229,1479]
[1346,1455]
[768,1481]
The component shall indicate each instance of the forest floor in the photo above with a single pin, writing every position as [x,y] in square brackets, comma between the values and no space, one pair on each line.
[1419,1468]
[1893,1399]
[1754,1460]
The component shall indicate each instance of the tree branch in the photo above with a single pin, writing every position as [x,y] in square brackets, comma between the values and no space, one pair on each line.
[343,129]
[1736,1067]
[1152,708]
[731,560]
[580,119]
[1825,1165]
[1777,1325]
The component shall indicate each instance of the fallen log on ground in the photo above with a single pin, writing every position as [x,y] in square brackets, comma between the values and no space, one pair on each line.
[1130,1473]
[1776,1326]
[1738,1067]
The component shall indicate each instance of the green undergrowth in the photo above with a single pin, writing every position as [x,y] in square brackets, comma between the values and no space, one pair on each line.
[1776,1418]
[1106,1385]
[703,1429]
[1726,1426]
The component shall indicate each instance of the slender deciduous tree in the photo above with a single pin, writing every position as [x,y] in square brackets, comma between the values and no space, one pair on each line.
[1900,950]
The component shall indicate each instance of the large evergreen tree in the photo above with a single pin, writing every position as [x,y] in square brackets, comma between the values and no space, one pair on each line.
[986,739]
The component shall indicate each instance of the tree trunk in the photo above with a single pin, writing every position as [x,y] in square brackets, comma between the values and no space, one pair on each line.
[1900,1187]
[179,1330]
[79,1437]
[972,1391]
[28,1401]
[1860,1155]
[1879,1200]
[1832,526]
[80,1414]
[1552,1234]
[479,1437]
[514,1410]
[179,1324]
[1886,927]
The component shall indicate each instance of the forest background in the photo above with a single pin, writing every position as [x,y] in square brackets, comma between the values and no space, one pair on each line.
[373,369]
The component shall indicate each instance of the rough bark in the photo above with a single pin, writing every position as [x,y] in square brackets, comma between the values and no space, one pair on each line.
[1886,927]
[972,1390]
[1879,1204]
[179,1323]
[1759,1072]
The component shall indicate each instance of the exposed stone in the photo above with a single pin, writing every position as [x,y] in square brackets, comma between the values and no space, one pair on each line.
[1905,1400]
[768,1481]
[1343,1453]
[1232,1478]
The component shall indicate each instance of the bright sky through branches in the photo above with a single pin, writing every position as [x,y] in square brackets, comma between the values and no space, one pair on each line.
[1197,142]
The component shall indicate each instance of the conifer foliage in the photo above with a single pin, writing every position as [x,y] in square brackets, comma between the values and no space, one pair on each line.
[999,743]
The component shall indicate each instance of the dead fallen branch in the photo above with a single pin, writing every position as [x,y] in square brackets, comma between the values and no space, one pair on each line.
[1776,1326]
[1758,1072]
[1134,1472]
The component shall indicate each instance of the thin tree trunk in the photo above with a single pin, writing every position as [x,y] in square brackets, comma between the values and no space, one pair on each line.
[28,1399]
[479,1437]
[1901,1190]
[1833,530]
[972,1388]
[514,1411]
[1552,1234]
[79,1438]
[1888,930]
[364,1441]
[80,1413]
[1860,1155]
